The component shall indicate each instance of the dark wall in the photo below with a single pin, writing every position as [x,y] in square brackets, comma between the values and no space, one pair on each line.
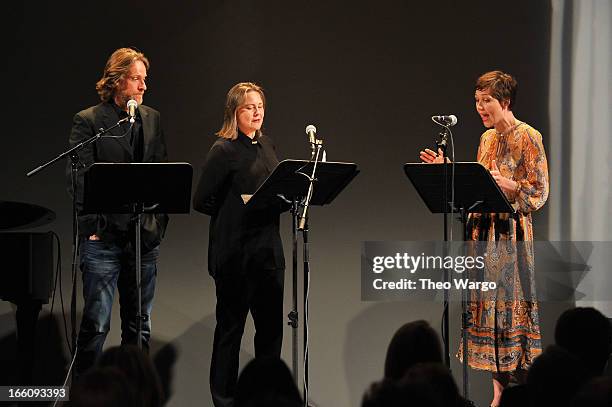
[368,74]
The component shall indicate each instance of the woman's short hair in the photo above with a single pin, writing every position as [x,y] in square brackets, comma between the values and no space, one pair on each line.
[501,85]
[235,98]
[116,69]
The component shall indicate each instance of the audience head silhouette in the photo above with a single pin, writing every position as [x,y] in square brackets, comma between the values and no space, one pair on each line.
[414,342]
[266,382]
[555,377]
[424,384]
[587,334]
[139,371]
[103,387]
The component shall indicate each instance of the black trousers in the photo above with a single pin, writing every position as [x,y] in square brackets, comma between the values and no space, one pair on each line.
[258,291]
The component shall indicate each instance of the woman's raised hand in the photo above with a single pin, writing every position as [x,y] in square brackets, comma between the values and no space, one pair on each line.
[431,157]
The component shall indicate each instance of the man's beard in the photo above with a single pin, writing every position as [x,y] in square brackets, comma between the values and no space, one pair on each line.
[123,99]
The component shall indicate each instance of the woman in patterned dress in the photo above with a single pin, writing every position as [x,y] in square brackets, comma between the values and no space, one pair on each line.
[503,330]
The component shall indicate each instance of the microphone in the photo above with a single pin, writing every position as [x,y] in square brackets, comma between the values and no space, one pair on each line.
[311,131]
[132,105]
[447,121]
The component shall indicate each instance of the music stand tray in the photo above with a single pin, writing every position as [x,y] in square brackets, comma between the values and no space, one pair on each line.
[287,180]
[475,188]
[117,187]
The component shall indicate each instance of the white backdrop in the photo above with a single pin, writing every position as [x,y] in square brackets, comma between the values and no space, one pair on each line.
[580,153]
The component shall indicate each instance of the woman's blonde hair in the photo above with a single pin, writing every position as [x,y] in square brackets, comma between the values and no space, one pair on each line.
[235,98]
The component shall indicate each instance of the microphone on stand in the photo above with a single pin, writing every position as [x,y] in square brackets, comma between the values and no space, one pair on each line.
[447,121]
[311,132]
[132,105]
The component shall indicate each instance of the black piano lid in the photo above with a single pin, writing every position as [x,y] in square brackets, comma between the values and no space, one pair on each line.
[22,215]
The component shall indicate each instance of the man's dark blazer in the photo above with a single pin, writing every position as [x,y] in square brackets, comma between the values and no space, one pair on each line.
[86,124]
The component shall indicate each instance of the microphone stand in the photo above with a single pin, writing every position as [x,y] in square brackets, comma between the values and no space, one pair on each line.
[311,179]
[442,144]
[74,167]
[303,227]
[77,148]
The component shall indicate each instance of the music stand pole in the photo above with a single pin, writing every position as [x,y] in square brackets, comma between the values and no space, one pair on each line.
[306,287]
[138,209]
[446,306]
[464,314]
[293,314]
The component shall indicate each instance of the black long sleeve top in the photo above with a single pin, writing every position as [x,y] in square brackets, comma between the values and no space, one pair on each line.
[240,238]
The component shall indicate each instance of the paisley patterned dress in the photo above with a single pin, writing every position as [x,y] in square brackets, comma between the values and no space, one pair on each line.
[503,329]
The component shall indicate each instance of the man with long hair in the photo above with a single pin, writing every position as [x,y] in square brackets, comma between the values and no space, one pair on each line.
[107,252]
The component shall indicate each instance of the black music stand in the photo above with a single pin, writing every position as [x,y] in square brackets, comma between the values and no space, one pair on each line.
[290,180]
[137,188]
[286,180]
[475,191]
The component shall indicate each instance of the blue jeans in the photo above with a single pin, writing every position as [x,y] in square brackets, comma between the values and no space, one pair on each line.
[105,266]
